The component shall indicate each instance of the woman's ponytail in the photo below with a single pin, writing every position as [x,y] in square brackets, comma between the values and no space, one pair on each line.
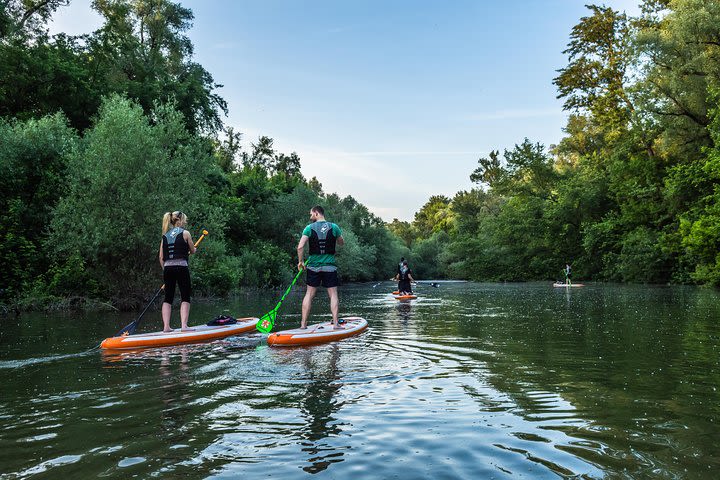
[172,219]
[166,222]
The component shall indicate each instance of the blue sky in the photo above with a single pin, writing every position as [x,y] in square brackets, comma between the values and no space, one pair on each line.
[388,101]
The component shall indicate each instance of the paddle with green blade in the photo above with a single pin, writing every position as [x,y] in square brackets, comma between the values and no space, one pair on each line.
[267,321]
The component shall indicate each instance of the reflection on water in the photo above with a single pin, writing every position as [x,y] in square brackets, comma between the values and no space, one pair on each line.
[468,381]
[319,406]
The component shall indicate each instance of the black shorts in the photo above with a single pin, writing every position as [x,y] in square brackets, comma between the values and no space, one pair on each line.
[180,276]
[326,279]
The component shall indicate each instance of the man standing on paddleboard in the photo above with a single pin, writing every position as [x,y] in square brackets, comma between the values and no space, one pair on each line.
[404,277]
[321,267]
[568,274]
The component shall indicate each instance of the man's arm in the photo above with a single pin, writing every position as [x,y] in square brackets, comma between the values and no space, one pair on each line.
[340,241]
[301,251]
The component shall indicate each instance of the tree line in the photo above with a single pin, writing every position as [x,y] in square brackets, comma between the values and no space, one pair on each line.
[631,193]
[100,134]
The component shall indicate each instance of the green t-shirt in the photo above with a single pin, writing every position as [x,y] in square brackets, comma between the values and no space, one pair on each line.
[325,260]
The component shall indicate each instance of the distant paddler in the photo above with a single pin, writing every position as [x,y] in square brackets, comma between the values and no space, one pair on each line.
[404,277]
[568,274]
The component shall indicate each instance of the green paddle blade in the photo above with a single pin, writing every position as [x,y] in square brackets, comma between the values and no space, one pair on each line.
[267,321]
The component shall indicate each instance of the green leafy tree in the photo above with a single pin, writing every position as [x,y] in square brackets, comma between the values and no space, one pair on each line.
[526,170]
[436,215]
[403,230]
[33,173]
[126,174]
[142,49]
[600,57]
[26,18]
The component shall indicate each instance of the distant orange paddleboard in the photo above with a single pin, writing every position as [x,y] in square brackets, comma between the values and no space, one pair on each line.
[558,285]
[405,297]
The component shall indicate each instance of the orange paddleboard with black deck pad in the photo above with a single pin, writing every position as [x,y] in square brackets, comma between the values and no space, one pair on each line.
[201,333]
[318,333]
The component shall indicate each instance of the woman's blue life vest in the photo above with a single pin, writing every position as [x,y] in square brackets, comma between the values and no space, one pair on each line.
[174,245]
[322,238]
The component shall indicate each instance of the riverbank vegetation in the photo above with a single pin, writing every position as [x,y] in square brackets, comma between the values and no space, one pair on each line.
[100,134]
[631,193]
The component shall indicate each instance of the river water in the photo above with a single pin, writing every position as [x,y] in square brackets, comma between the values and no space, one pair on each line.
[469,381]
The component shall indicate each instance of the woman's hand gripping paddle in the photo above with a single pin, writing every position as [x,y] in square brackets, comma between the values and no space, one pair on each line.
[267,321]
[129,329]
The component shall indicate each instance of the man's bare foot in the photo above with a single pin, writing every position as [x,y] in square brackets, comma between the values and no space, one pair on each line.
[168,331]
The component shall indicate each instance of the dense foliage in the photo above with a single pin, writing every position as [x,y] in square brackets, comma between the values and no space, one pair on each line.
[101,134]
[630,193]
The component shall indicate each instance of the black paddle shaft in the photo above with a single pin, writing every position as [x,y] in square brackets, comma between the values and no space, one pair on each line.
[130,327]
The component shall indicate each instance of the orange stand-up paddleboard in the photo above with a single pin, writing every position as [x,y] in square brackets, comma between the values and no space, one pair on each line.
[571,285]
[318,333]
[405,297]
[201,333]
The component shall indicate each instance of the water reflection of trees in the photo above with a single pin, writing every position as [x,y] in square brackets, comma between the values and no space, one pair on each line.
[319,405]
[633,362]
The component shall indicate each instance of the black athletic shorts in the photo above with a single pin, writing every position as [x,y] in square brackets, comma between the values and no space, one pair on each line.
[179,275]
[326,279]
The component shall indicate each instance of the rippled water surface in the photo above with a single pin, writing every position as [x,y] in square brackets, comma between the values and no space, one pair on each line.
[468,381]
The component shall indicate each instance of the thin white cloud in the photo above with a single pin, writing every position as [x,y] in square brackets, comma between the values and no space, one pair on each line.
[388,188]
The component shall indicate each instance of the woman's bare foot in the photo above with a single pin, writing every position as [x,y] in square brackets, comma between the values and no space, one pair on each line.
[187,329]
[168,331]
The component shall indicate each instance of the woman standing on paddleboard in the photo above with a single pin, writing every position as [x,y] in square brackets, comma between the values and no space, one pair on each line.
[176,246]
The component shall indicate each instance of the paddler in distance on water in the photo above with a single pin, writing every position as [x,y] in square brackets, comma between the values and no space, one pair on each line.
[322,236]
[568,273]
[176,246]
